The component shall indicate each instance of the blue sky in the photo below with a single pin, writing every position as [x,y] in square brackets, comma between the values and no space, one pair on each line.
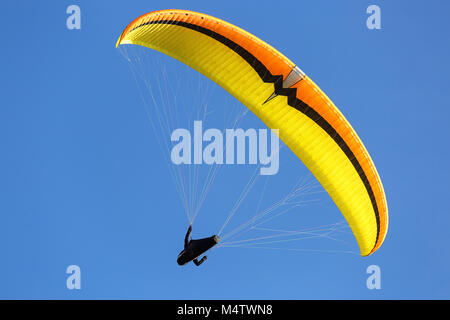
[82,181]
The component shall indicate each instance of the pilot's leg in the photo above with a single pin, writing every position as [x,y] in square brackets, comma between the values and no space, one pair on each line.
[197,263]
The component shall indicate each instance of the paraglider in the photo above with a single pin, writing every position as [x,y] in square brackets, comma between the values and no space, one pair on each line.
[284,98]
[195,248]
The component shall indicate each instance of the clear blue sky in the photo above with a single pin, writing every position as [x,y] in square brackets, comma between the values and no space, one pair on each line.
[82,183]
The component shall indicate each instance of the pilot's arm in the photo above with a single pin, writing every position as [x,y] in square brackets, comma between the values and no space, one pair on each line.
[186,239]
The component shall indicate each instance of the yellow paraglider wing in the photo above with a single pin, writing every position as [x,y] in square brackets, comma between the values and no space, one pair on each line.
[284,98]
